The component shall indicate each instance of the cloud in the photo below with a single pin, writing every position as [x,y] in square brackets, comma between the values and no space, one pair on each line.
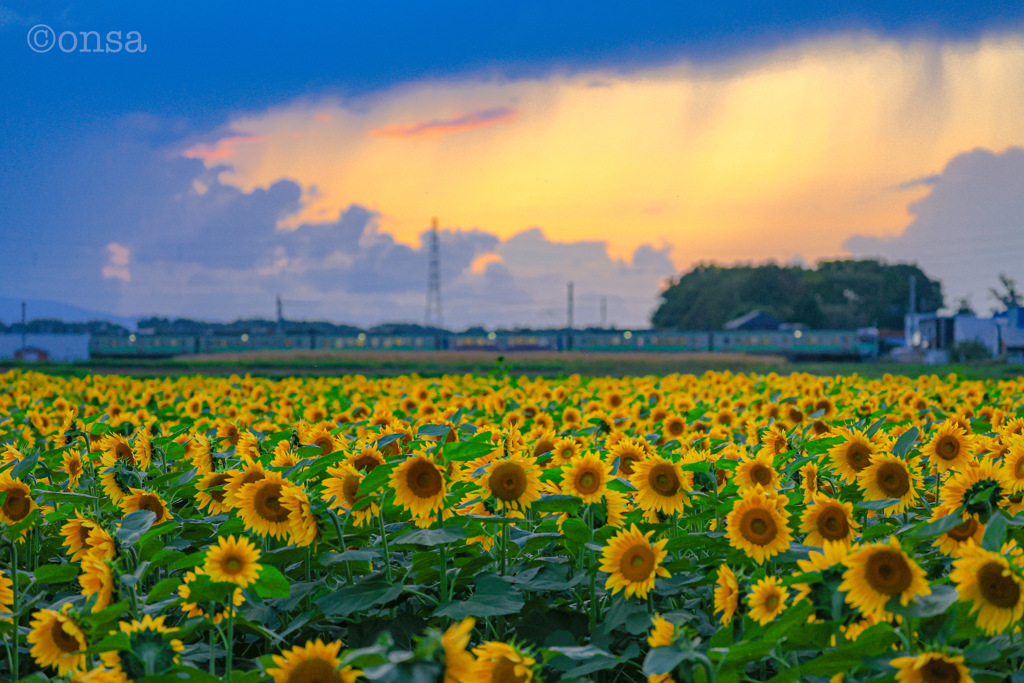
[478,119]
[117,263]
[967,229]
[224,149]
[782,153]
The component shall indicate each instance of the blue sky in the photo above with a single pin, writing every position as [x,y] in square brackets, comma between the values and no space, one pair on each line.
[114,199]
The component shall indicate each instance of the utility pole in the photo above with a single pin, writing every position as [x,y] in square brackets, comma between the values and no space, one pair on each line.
[911,325]
[433,315]
[569,316]
[280,315]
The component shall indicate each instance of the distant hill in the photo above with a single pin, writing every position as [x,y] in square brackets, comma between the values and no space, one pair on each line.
[10,312]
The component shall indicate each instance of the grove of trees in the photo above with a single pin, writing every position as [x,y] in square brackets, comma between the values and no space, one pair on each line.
[844,294]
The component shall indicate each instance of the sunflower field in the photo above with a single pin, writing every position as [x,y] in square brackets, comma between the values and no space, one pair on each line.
[486,528]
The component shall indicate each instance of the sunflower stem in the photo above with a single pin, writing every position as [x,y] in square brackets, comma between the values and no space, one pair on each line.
[16,608]
[230,640]
[384,542]
[444,559]
[341,541]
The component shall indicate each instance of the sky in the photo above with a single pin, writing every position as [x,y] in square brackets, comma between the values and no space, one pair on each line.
[182,159]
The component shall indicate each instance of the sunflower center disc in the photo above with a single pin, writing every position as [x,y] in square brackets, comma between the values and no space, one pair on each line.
[961,532]
[637,563]
[664,480]
[233,564]
[887,572]
[64,640]
[938,671]
[758,527]
[1002,591]
[16,505]
[833,525]
[948,448]
[314,670]
[508,481]
[857,456]
[761,475]
[893,480]
[505,672]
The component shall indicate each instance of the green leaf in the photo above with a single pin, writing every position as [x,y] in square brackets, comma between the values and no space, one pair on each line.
[905,442]
[190,561]
[432,537]
[25,465]
[937,527]
[873,640]
[493,597]
[575,531]
[556,503]
[462,451]
[433,430]
[663,660]
[995,532]
[931,605]
[134,525]
[118,642]
[271,583]
[162,589]
[358,597]
[877,504]
[56,573]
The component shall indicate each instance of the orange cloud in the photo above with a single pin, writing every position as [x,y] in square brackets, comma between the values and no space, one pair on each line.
[224,148]
[478,119]
[780,154]
[481,262]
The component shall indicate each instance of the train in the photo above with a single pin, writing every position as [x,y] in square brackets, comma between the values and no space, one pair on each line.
[793,344]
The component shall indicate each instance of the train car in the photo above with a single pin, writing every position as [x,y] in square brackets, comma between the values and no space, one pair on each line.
[797,344]
[142,345]
[237,343]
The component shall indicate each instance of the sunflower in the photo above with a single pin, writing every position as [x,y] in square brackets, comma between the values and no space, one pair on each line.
[143,449]
[251,473]
[953,541]
[1013,465]
[57,640]
[889,477]
[233,561]
[210,492]
[248,447]
[632,562]
[931,667]
[259,505]
[881,572]
[320,435]
[341,491]
[727,592]
[6,594]
[767,600]
[498,662]
[97,579]
[513,482]
[757,471]
[673,426]
[950,447]
[979,488]
[419,486]
[629,452]
[992,584]
[149,635]
[73,468]
[146,500]
[566,449]
[853,455]
[458,663]
[775,440]
[758,525]
[303,529]
[663,634]
[661,485]
[828,520]
[315,662]
[100,543]
[18,501]
[366,458]
[197,451]
[586,477]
